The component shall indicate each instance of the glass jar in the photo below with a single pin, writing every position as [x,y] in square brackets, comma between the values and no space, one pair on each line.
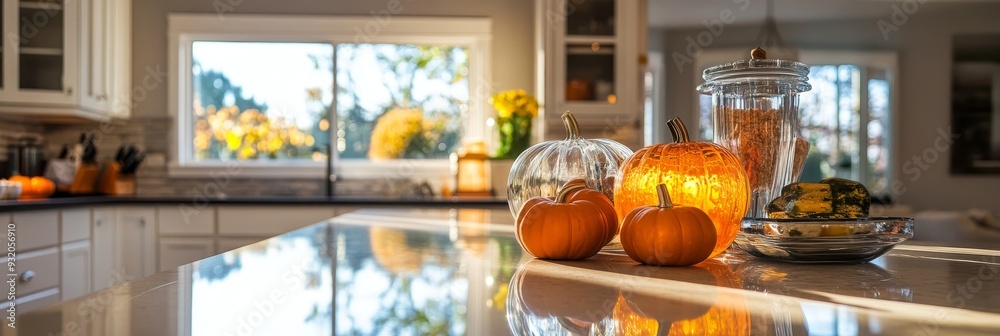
[755,114]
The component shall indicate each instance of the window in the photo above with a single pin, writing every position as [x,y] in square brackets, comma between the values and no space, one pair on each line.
[273,94]
[847,116]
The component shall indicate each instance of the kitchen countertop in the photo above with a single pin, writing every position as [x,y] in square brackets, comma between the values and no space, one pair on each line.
[67,202]
[438,271]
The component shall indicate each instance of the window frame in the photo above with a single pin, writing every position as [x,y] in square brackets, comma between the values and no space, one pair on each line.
[185,29]
[863,59]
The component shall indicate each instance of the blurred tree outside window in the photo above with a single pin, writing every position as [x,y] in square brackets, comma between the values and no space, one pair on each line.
[272,101]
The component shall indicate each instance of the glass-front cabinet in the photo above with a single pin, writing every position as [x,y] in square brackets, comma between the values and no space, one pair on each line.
[65,58]
[593,56]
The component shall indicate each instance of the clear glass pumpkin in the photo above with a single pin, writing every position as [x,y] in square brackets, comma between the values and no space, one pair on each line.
[543,168]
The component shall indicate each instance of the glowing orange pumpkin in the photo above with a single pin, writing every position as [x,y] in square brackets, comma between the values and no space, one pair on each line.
[699,174]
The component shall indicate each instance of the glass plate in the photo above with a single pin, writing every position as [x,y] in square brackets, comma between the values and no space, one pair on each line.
[823,240]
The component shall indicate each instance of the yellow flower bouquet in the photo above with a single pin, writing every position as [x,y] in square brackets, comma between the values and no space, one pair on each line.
[515,110]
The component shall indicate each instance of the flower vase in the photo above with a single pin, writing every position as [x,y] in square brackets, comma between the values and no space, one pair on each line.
[515,136]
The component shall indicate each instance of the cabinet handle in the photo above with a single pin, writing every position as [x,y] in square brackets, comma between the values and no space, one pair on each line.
[98,223]
[142,222]
[69,91]
[102,97]
[26,276]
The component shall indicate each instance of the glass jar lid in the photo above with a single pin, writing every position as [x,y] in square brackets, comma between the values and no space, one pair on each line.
[758,70]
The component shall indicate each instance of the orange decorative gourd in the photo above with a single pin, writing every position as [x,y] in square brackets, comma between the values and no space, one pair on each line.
[34,187]
[698,174]
[598,198]
[668,235]
[574,225]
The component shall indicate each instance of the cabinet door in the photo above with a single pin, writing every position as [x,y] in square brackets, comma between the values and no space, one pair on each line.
[94,53]
[119,45]
[43,68]
[137,234]
[75,269]
[104,250]
[75,224]
[177,251]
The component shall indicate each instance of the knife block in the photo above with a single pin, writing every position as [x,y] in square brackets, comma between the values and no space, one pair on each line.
[113,183]
[85,180]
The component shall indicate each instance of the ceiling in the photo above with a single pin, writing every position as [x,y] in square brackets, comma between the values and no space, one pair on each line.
[688,13]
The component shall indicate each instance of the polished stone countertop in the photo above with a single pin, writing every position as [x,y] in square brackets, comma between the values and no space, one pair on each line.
[440,271]
[69,202]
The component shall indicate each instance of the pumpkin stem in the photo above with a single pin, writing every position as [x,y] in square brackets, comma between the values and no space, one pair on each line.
[572,127]
[678,131]
[568,189]
[664,196]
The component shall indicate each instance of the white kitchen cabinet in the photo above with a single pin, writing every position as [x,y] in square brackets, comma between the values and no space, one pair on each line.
[229,244]
[185,220]
[137,239]
[66,59]
[104,264]
[36,229]
[177,251]
[592,58]
[259,221]
[75,269]
[37,270]
[75,224]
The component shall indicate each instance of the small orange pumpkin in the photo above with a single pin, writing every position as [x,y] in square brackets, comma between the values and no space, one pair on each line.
[699,174]
[34,187]
[599,199]
[572,226]
[668,235]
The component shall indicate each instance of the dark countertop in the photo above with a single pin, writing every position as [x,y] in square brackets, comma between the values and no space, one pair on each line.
[69,202]
[454,272]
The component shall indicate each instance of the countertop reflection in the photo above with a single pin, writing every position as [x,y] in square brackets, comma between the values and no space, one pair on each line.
[454,272]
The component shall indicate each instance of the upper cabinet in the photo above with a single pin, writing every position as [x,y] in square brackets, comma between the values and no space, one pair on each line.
[593,57]
[66,59]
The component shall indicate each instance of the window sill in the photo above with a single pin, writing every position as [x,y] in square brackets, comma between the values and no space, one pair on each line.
[345,169]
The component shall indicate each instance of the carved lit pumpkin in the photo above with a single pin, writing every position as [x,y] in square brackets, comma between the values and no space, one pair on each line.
[574,225]
[668,235]
[541,169]
[34,187]
[699,174]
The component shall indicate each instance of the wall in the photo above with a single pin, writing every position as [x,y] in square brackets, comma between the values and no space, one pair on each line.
[923,44]
[512,57]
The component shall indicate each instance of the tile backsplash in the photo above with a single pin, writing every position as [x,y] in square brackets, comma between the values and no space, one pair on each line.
[152,136]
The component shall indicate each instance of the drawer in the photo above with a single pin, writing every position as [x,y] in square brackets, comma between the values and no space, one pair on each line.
[269,221]
[44,268]
[36,229]
[75,225]
[27,303]
[185,219]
